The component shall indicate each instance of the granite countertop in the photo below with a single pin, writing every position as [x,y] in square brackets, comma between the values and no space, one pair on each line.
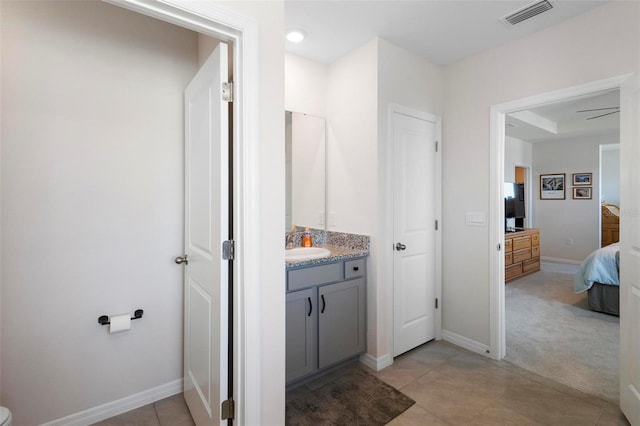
[337,253]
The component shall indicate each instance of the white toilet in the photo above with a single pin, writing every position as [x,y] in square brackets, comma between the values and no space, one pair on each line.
[5,416]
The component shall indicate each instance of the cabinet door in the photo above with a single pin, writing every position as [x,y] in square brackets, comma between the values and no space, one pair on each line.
[301,343]
[341,321]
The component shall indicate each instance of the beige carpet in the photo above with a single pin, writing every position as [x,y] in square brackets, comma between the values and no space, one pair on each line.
[551,331]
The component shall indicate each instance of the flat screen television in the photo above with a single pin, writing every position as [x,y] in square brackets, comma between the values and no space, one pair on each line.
[514,200]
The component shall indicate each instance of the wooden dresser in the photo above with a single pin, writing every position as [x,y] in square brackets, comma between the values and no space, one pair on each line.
[521,253]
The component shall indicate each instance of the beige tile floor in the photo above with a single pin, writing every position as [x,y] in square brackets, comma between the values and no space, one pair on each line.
[451,386]
[170,411]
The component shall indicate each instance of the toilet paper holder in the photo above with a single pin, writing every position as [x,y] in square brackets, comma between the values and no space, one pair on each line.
[104,319]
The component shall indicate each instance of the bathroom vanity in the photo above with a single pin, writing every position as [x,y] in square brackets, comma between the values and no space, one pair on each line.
[325,312]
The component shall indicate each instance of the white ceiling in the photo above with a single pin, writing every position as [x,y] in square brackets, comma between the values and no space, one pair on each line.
[445,31]
[442,31]
[561,120]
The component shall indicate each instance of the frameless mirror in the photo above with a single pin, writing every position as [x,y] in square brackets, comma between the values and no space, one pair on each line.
[305,170]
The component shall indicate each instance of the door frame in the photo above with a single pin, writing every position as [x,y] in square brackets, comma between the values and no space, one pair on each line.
[386,255]
[242,33]
[496,195]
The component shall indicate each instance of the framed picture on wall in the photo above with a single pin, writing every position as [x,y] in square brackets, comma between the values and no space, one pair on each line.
[582,178]
[582,193]
[552,187]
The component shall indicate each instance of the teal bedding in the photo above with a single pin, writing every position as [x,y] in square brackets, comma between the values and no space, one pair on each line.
[602,266]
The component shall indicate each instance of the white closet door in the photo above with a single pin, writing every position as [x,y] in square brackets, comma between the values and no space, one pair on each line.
[414,274]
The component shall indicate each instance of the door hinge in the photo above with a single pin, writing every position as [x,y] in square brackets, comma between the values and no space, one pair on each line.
[499,247]
[436,303]
[436,146]
[227,91]
[228,250]
[436,224]
[228,409]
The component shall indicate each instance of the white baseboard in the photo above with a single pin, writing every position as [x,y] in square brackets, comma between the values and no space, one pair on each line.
[376,364]
[114,408]
[560,260]
[466,343]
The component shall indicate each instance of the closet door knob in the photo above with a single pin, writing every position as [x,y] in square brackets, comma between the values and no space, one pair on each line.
[400,246]
[182,259]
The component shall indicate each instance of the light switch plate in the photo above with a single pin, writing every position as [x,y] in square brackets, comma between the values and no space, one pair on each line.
[476,219]
[332,218]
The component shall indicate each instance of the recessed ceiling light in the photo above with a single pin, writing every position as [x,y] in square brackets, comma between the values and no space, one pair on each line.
[295,36]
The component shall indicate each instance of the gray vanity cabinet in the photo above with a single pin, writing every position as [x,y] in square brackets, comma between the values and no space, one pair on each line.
[325,316]
[341,321]
[301,337]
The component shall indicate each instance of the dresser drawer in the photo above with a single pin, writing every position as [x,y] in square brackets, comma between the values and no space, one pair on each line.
[520,255]
[354,268]
[535,251]
[522,242]
[307,277]
[512,271]
[508,245]
[535,239]
[508,258]
[531,265]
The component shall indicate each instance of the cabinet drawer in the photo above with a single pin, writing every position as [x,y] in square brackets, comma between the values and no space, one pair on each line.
[535,251]
[522,242]
[508,245]
[531,265]
[520,255]
[512,271]
[307,277]
[535,239]
[354,268]
[508,258]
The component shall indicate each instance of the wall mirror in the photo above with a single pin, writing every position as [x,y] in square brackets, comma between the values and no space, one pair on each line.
[305,170]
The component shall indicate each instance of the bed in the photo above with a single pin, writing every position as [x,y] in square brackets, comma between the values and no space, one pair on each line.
[610,224]
[599,275]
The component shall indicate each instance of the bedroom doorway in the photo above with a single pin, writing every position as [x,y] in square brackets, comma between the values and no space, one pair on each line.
[562,261]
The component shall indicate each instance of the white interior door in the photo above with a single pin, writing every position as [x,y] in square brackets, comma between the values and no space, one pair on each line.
[206,227]
[414,206]
[630,249]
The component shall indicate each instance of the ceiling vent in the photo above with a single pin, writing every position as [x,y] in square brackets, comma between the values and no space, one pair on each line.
[528,12]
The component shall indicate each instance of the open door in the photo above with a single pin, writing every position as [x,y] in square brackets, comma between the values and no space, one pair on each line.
[630,249]
[206,278]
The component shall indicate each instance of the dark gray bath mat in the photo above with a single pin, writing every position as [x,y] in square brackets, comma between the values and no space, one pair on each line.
[357,398]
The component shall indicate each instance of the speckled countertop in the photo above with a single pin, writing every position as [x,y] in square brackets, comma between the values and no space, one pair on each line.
[341,245]
[337,253]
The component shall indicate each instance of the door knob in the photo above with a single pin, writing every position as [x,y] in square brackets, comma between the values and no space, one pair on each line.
[400,246]
[182,259]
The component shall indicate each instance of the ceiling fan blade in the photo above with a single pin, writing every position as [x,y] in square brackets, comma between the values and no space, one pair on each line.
[598,116]
[598,109]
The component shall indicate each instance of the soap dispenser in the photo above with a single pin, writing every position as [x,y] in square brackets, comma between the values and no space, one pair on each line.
[306,238]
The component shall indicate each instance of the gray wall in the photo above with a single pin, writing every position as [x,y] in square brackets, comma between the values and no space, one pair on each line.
[92,204]
[569,229]
[610,175]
